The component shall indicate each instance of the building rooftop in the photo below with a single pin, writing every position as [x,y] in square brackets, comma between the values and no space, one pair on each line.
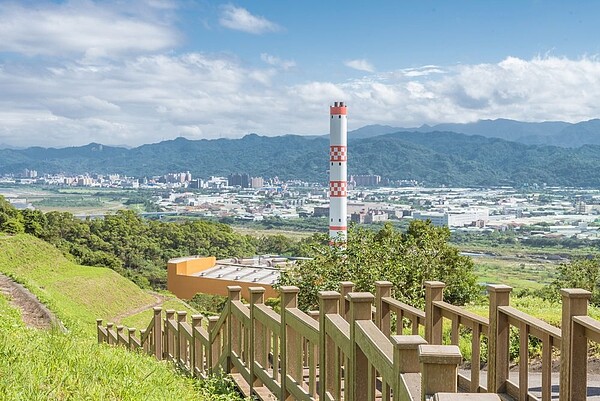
[259,270]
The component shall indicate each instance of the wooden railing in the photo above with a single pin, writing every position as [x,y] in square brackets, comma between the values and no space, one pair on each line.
[346,350]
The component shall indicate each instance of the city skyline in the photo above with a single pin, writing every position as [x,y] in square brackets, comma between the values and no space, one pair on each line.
[127,73]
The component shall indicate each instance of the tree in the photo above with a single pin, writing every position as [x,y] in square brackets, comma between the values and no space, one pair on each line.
[406,259]
[580,273]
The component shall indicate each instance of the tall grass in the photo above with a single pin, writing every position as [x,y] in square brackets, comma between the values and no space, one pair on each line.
[49,365]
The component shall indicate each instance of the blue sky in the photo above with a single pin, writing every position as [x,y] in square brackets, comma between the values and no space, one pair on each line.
[140,71]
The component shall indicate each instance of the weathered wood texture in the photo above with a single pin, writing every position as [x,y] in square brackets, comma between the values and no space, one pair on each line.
[349,350]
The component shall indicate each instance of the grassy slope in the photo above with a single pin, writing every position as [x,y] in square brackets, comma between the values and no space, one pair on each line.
[77,294]
[42,365]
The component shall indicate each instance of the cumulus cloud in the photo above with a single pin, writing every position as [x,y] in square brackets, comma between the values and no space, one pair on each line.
[240,19]
[277,62]
[82,28]
[146,98]
[360,65]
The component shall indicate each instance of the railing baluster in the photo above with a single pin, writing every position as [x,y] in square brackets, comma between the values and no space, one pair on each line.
[475,357]
[523,361]
[158,334]
[197,354]
[182,343]
[169,335]
[257,337]
[546,367]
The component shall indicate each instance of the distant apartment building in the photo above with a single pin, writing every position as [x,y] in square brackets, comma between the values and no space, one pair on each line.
[368,180]
[369,217]
[29,173]
[173,178]
[257,182]
[321,211]
[85,181]
[239,180]
[461,218]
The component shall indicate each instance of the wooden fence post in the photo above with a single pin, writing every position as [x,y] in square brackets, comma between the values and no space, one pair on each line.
[498,336]
[233,328]
[100,335]
[346,287]
[405,360]
[358,369]
[169,338]
[258,349]
[158,335]
[197,354]
[406,356]
[434,291]
[130,336]
[215,343]
[291,346]
[109,327]
[573,350]
[328,304]
[182,354]
[439,369]
[119,333]
[383,289]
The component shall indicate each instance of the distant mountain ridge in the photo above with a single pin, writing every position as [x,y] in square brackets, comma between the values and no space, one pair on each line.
[556,133]
[433,158]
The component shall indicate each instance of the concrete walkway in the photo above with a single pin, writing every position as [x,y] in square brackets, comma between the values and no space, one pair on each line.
[535,383]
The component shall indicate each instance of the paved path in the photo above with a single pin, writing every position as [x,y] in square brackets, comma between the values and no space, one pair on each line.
[535,383]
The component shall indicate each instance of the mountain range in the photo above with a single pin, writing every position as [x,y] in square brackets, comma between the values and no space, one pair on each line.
[433,158]
[556,133]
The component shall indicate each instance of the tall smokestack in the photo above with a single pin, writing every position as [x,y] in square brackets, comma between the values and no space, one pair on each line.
[338,158]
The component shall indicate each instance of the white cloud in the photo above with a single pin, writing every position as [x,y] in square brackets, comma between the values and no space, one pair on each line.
[360,65]
[82,28]
[147,98]
[277,62]
[240,19]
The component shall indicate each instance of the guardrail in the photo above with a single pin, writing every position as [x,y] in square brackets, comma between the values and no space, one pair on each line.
[346,350]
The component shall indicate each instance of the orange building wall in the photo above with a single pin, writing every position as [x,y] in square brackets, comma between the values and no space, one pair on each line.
[181,282]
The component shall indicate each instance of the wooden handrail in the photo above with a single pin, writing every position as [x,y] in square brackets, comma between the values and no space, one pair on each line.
[537,327]
[343,353]
[268,317]
[376,346]
[303,324]
[591,326]
[450,311]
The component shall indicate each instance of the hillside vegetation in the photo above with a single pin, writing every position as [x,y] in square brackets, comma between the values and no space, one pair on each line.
[125,242]
[42,365]
[433,158]
[76,294]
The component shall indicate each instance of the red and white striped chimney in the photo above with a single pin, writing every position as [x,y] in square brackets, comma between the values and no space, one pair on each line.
[338,158]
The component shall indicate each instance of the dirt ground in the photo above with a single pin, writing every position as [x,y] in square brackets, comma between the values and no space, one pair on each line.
[34,313]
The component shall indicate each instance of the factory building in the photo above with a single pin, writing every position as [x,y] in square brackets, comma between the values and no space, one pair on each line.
[461,218]
[190,275]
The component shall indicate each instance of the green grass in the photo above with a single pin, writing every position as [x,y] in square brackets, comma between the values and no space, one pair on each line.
[43,365]
[514,272]
[77,294]
[140,320]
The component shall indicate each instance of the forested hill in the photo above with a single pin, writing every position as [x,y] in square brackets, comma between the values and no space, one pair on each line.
[432,158]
